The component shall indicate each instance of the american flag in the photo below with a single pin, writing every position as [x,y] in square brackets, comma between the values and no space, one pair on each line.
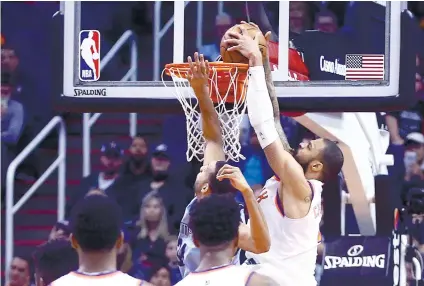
[364,67]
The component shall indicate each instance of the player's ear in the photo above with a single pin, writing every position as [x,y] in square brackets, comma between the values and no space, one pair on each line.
[268,36]
[74,242]
[120,241]
[205,189]
[235,243]
[316,166]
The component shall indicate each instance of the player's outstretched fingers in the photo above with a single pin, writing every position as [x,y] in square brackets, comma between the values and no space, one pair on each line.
[207,67]
[196,59]
[202,64]
[243,30]
[233,35]
[190,62]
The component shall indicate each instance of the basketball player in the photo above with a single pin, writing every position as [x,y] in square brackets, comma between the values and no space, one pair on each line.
[214,221]
[86,53]
[52,260]
[291,201]
[96,235]
[256,238]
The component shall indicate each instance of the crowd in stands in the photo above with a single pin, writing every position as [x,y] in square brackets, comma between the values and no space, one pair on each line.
[152,197]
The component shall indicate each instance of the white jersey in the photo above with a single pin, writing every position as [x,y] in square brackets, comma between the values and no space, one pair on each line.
[188,254]
[112,279]
[219,276]
[294,242]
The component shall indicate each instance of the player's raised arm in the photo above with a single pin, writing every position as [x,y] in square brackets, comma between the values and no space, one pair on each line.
[199,81]
[261,116]
[272,94]
[255,238]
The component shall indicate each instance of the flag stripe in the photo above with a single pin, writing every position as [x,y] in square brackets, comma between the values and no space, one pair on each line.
[363,67]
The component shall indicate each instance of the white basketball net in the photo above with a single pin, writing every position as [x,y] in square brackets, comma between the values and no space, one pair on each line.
[230,118]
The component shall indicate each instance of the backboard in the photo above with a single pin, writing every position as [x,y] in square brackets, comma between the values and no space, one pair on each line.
[130,79]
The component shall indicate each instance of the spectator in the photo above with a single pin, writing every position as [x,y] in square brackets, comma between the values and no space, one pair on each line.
[169,186]
[12,120]
[36,113]
[171,255]
[19,272]
[223,22]
[161,276]
[12,112]
[255,168]
[60,231]
[299,17]
[53,260]
[111,161]
[105,180]
[326,21]
[151,232]
[400,124]
[414,161]
[137,167]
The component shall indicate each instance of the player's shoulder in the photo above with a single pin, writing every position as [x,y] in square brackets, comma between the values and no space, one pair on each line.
[118,276]
[272,184]
[64,280]
[256,279]
[127,279]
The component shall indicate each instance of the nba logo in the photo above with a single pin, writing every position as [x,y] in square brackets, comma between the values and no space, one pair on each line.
[89,55]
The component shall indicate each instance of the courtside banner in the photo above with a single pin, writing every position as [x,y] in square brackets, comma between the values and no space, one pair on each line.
[357,256]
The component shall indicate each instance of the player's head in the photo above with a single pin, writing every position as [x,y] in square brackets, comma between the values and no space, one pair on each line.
[90,34]
[320,159]
[207,183]
[52,260]
[214,221]
[96,223]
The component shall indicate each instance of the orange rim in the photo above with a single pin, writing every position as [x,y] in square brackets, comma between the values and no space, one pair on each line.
[217,66]
[224,71]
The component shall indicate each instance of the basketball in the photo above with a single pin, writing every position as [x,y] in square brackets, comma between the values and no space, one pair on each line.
[235,56]
[95,56]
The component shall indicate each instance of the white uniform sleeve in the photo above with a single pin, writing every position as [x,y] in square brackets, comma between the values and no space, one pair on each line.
[259,107]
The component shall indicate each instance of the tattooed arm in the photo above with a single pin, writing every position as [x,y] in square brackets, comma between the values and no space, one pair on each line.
[275,106]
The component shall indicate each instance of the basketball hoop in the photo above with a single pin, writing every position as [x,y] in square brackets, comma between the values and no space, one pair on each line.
[227,87]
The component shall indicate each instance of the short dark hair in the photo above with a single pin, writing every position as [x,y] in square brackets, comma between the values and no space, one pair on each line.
[54,259]
[214,220]
[219,187]
[96,223]
[333,159]
[158,266]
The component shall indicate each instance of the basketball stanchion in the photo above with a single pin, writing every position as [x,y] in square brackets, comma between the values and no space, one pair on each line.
[227,87]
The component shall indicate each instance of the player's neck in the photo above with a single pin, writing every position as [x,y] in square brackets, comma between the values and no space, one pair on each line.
[97,262]
[312,176]
[214,259]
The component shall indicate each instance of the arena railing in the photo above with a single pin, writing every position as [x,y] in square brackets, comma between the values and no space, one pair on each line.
[88,120]
[59,164]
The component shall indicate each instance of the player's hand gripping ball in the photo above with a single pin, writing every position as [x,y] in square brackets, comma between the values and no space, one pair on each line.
[96,56]
[231,53]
